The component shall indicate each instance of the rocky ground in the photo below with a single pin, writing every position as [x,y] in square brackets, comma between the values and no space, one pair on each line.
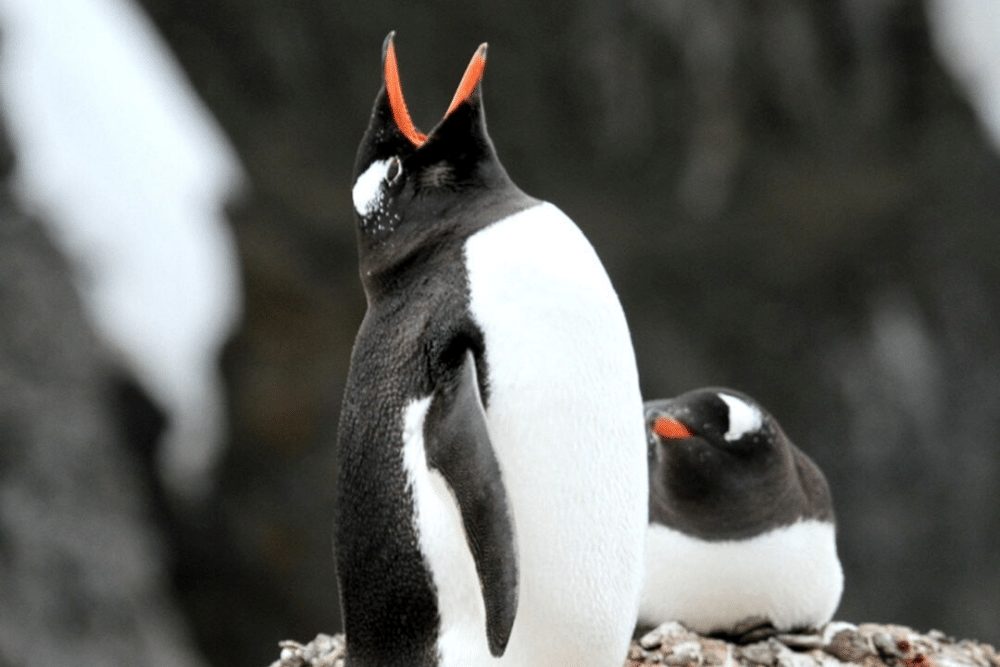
[837,643]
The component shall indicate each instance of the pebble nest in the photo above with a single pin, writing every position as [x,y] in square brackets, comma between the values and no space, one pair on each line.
[837,643]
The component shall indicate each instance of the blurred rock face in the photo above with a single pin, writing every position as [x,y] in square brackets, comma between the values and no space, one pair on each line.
[82,568]
[792,199]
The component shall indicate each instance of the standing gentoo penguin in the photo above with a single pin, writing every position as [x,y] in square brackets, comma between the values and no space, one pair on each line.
[741,533]
[492,492]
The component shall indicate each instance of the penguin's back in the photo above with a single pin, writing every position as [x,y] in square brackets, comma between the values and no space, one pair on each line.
[565,417]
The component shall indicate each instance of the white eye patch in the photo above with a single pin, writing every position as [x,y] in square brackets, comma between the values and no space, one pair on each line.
[367,192]
[743,417]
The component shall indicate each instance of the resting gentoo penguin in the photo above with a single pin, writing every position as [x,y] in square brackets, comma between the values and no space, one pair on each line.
[492,489]
[741,525]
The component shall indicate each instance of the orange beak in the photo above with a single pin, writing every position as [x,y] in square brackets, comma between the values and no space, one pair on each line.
[397,103]
[670,429]
[473,75]
[401,115]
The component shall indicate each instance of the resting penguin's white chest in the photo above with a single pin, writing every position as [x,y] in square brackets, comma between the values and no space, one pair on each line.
[790,575]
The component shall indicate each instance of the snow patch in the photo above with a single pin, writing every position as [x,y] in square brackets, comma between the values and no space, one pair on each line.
[130,172]
[965,33]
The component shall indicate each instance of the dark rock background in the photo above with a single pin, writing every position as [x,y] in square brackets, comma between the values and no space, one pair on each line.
[793,199]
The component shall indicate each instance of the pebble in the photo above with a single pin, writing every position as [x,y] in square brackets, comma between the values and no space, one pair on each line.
[660,634]
[836,644]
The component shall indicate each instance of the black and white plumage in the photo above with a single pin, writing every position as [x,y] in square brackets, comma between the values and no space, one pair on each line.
[474,525]
[741,526]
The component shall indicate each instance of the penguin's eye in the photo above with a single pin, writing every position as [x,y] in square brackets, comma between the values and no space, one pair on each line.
[670,429]
[394,171]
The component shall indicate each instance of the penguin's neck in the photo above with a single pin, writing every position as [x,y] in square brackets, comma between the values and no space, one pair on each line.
[436,233]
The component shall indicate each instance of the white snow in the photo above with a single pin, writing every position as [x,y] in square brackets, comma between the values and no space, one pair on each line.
[967,36]
[743,417]
[118,155]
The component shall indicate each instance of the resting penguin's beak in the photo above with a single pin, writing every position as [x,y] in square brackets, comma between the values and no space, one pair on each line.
[394,89]
[669,428]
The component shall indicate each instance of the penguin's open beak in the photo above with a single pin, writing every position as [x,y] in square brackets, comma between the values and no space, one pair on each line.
[394,88]
[470,80]
[670,429]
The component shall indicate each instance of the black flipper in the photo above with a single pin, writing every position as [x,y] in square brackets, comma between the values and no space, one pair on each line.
[458,446]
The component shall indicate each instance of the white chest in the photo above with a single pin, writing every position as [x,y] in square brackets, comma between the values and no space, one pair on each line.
[564,409]
[565,420]
[791,576]
[561,365]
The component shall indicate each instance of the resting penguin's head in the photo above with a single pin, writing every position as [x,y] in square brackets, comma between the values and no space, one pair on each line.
[408,186]
[719,464]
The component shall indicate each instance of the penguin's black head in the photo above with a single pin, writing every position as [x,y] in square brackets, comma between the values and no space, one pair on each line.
[408,186]
[712,453]
[724,418]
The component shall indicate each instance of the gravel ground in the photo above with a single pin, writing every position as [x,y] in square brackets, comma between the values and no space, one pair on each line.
[837,643]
